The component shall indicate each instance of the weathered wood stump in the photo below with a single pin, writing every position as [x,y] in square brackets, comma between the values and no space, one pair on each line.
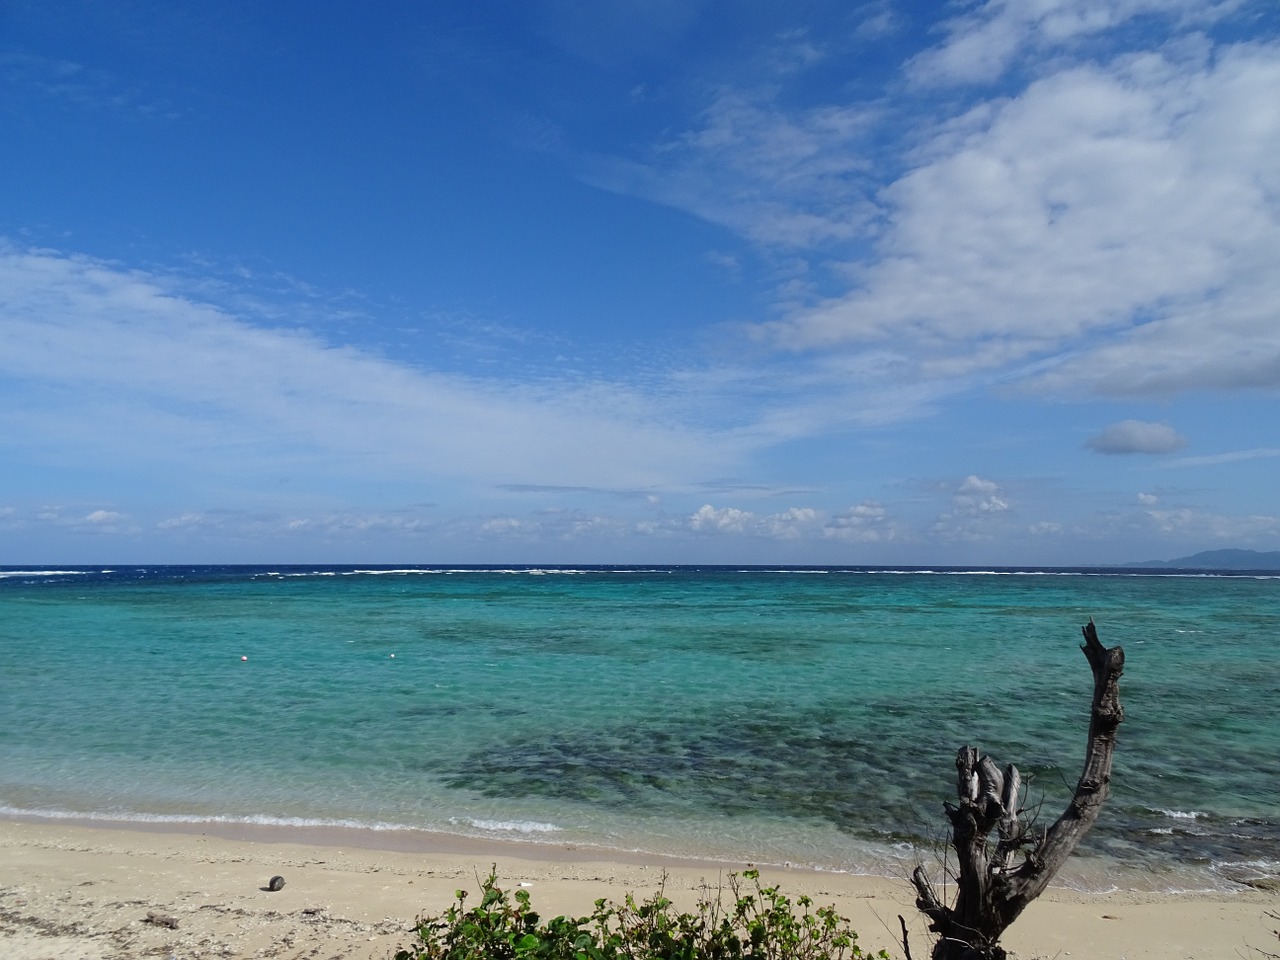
[995,882]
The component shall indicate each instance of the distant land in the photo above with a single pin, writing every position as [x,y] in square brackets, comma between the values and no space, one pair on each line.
[1219,560]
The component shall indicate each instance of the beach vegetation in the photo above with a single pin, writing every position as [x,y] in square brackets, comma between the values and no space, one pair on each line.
[740,920]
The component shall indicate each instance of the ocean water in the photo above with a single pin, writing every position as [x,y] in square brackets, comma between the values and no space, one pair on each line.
[803,716]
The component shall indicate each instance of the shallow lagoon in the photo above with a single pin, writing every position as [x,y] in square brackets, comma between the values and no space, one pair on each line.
[806,716]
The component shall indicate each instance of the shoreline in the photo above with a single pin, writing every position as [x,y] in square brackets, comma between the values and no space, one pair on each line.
[394,840]
[1083,873]
[79,891]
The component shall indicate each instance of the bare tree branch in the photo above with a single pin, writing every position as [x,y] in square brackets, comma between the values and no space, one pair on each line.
[992,891]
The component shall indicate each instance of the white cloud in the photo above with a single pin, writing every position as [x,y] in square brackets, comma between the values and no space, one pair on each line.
[507,527]
[976,512]
[975,497]
[342,526]
[186,521]
[867,522]
[1192,525]
[985,41]
[73,519]
[592,527]
[1045,528]
[1115,224]
[1137,436]
[708,519]
[1148,499]
[116,364]
[1108,228]
[790,524]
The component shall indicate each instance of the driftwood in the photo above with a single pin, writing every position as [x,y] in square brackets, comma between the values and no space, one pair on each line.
[994,884]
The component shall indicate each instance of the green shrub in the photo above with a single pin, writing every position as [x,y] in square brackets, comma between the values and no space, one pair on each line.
[755,923]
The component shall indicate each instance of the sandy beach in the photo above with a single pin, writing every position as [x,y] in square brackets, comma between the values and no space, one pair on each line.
[75,892]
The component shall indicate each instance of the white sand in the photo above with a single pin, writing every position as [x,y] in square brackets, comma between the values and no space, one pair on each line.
[73,892]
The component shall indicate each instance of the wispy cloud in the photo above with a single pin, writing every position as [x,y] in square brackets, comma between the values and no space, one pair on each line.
[97,521]
[617,32]
[119,365]
[796,50]
[72,84]
[1216,459]
[876,20]
[988,39]
[1206,526]
[779,177]
[536,488]
[254,430]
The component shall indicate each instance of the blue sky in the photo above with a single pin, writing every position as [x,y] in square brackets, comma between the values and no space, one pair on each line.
[695,281]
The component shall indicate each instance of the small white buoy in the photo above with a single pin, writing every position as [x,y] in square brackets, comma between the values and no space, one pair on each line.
[393,656]
[242,659]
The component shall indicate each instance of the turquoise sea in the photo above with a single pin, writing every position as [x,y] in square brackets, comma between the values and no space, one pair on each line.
[807,716]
